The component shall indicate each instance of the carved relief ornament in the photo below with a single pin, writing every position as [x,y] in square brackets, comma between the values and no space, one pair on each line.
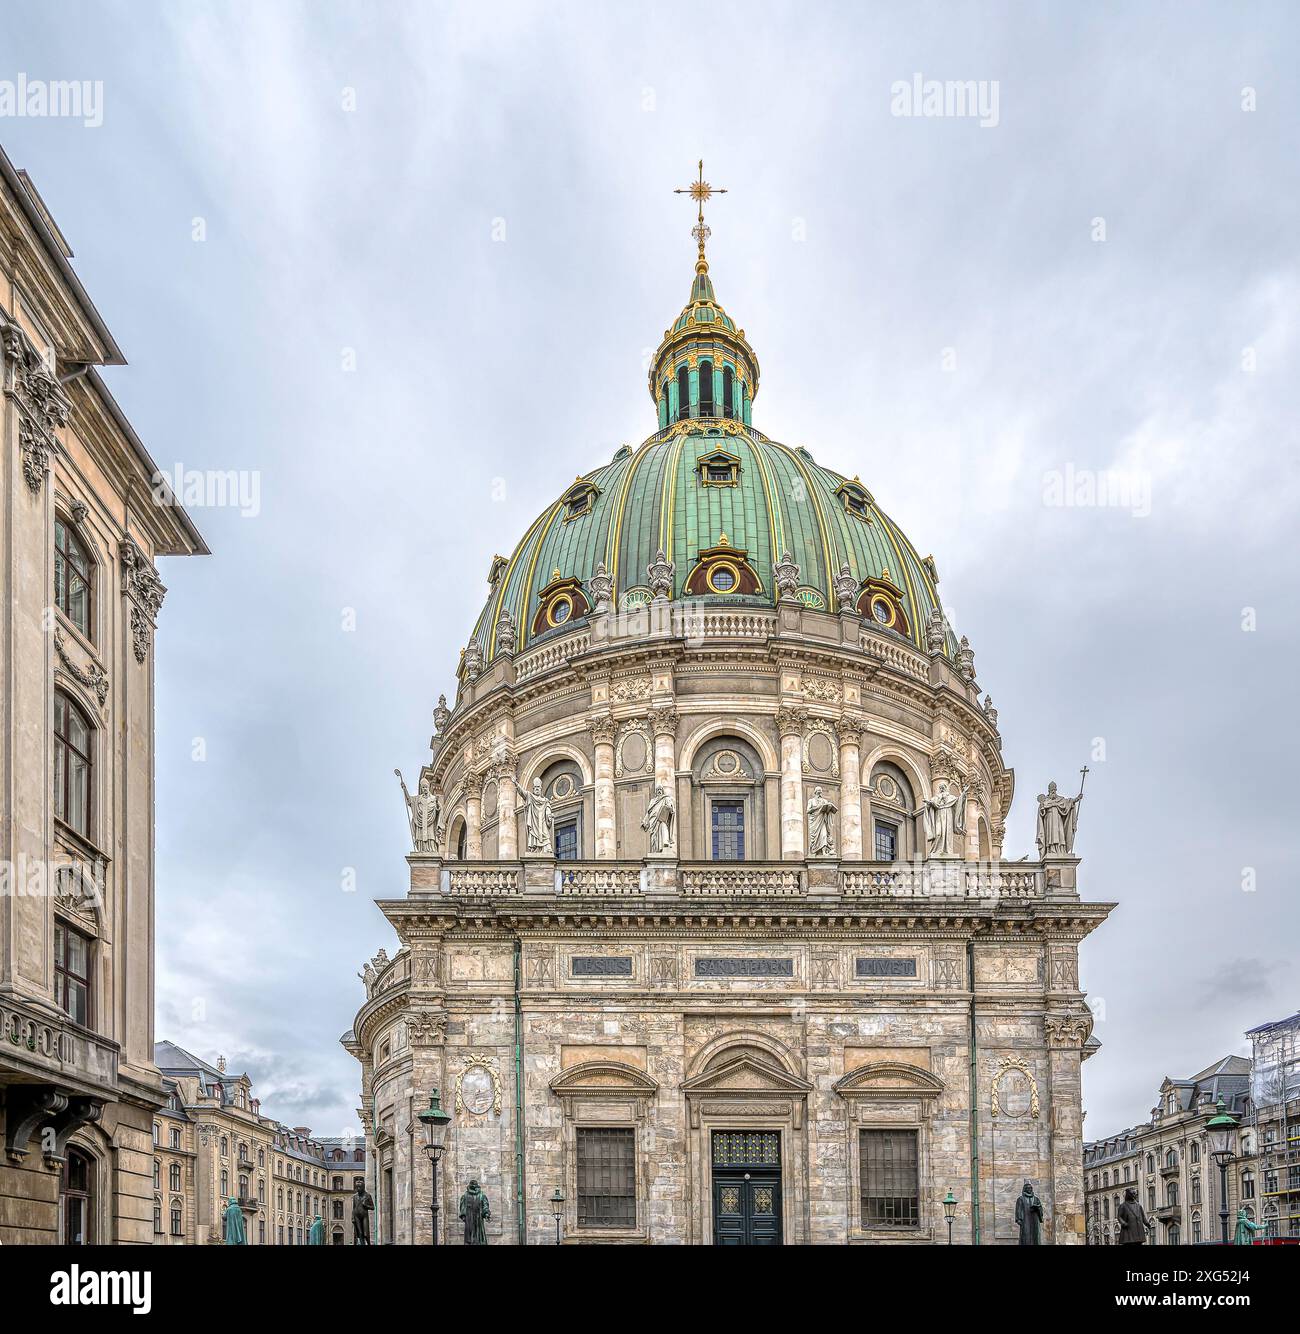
[1004,1067]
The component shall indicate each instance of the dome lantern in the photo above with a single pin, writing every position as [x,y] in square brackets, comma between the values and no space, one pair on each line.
[704,368]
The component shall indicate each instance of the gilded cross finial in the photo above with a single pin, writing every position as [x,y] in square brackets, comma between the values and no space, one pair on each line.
[701,191]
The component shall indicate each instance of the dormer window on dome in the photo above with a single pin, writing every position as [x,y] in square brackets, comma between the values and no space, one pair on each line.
[719,469]
[561,601]
[723,571]
[578,499]
[856,499]
[881,601]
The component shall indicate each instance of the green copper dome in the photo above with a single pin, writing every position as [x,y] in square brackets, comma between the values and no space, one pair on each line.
[707,493]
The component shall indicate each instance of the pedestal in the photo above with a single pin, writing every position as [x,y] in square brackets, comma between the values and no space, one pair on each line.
[943,875]
[426,874]
[823,877]
[661,875]
[1061,877]
[539,873]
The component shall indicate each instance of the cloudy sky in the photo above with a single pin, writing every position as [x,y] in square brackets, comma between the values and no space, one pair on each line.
[404,264]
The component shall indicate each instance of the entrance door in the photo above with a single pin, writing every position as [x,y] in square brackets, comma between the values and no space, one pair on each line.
[746,1188]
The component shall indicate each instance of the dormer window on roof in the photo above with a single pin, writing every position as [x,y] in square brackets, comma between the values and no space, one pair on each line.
[881,601]
[856,499]
[579,498]
[723,570]
[719,468]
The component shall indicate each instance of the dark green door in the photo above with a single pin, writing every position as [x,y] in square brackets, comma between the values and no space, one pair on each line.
[746,1188]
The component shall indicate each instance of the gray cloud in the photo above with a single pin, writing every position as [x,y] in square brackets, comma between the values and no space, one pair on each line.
[855,247]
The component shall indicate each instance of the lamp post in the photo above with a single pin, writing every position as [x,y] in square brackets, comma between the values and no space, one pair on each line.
[557,1208]
[1222,1130]
[435,1122]
[949,1213]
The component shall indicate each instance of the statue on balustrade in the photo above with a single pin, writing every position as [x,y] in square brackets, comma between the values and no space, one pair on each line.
[539,820]
[1058,818]
[422,813]
[944,818]
[659,820]
[821,825]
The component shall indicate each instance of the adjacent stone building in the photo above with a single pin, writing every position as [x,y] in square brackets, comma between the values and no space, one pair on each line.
[708,927]
[213,1143]
[79,601]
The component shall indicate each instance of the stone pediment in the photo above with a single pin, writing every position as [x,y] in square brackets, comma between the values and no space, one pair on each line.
[603,1079]
[745,1075]
[889,1079]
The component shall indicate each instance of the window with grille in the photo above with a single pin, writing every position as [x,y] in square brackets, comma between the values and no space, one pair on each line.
[606,1178]
[728,831]
[890,1178]
[886,842]
[566,841]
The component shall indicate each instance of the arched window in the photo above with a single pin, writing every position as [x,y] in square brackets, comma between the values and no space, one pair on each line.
[73,757]
[225,1147]
[1171,1194]
[1171,1158]
[73,574]
[1105,1179]
[1151,1162]
[706,389]
[683,393]
[892,804]
[77,1200]
[728,392]
[261,1157]
[460,842]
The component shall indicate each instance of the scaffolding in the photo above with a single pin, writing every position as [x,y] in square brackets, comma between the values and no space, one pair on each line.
[1275,1109]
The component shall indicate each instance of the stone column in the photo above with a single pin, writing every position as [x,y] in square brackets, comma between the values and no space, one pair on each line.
[663,722]
[1066,1035]
[602,731]
[474,817]
[850,788]
[507,814]
[789,723]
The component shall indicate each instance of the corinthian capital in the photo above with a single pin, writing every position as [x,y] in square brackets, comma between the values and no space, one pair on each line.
[602,729]
[663,720]
[790,721]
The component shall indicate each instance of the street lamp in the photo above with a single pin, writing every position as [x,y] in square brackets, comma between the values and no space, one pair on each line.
[435,1122]
[1222,1130]
[949,1213]
[557,1209]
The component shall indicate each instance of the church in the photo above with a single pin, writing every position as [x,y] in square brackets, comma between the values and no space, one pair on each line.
[708,938]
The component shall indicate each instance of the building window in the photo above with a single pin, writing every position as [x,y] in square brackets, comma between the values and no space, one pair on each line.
[338,1209]
[72,764]
[225,1184]
[1196,1229]
[1151,1198]
[338,1183]
[606,1178]
[1196,1190]
[1195,1152]
[706,389]
[1151,1162]
[174,1177]
[157,1217]
[72,576]
[1171,1194]
[886,841]
[1248,1185]
[176,1219]
[72,973]
[1171,1159]
[175,1138]
[683,393]
[728,392]
[728,819]
[566,841]
[157,1174]
[156,1134]
[77,1200]
[261,1231]
[890,1178]
[225,1147]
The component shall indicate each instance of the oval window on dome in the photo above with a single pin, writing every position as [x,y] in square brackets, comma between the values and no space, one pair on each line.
[559,611]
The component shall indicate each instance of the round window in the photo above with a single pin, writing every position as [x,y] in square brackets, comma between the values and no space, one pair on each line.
[722,579]
[561,610]
[882,611]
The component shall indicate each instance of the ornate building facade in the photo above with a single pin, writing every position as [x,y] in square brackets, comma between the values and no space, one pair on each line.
[79,600]
[213,1143]
[707,926]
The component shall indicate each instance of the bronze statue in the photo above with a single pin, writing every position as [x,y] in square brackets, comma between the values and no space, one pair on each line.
[1132,1219]
[1029,1216]
[362,1203]
[474,1212]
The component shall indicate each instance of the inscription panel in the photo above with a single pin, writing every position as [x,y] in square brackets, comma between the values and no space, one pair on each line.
[601,966]
[715,967]
[877,967]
